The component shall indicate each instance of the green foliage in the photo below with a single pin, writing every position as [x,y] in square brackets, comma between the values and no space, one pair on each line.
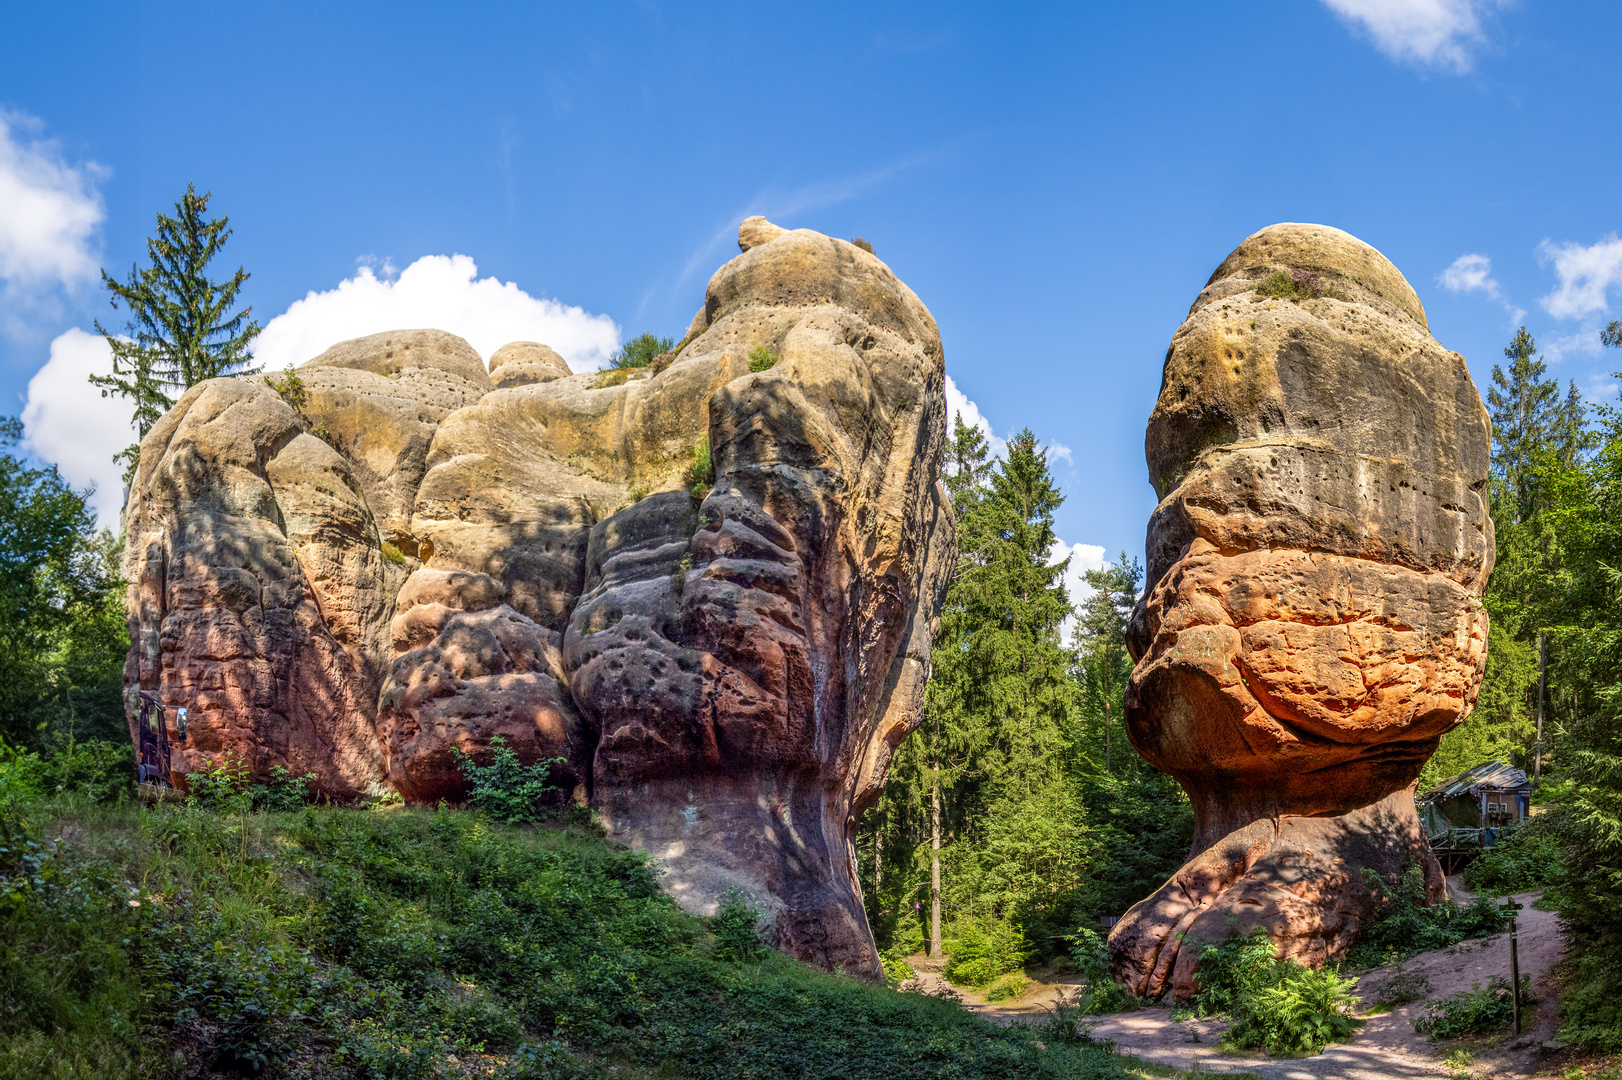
[640,352]
[62,631]
[979,950]
[506,789]
[863,244]
[613,377]
[1405,926]
[896,972]
[281,792]
[1402,988]
[392,554]
[354,945]
[701,473]
[734,928]
[181,328]
[1007,987]
[1274,1004]
[1475,1011]
[224,789]
[290,388]
[1295,285]
[1100,994]
[1527,857]
[761,359]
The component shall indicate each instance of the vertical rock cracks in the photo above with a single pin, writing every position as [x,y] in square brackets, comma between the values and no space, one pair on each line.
[1312,623]
[418,555]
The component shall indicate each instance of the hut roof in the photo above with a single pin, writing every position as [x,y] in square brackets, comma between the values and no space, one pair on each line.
[1489,774]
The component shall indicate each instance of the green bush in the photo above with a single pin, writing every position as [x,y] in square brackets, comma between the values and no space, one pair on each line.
[1475,1011]
[1527,857]
[507,789]
[761,359]
[640,351]
[223,789]
[979,950]
[1274,1004]
[701,473]
[1101,994]
[1007,987]
[734,928]
[896,971]
[282,791]
[1404,926]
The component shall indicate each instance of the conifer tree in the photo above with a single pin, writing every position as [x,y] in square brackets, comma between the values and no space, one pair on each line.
[181,327]
[1528,417]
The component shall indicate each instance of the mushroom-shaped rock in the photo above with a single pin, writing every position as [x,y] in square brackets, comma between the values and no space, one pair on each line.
[1312,622]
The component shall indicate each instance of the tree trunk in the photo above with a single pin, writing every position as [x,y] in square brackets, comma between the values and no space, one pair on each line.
[935,868]
[878,862]
[1537,760]
[1107,723]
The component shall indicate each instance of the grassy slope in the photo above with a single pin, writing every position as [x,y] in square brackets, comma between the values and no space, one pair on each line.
[405,944]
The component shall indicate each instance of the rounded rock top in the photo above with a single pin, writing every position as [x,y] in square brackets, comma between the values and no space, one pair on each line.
[392,351]
[1334,255]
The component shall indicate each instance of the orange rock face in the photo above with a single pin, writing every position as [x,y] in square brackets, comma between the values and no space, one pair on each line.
[1312,624]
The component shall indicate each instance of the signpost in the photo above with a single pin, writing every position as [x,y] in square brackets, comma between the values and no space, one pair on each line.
[1508,912]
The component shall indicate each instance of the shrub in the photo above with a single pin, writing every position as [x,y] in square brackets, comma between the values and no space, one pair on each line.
[1275,1004]
[290,387]
[1101,994]
[1474,1011]
[613,377]
[1404,926]
[896,971]
[99,771]
[640,352]
[282,791]
[223,788]
[980,950]
[734,925]
[392,554]
[761,359]
[701,474]
[506,789]
[1295,285]
[1402,988]
[1527,857]
[1007,987]
[863,244]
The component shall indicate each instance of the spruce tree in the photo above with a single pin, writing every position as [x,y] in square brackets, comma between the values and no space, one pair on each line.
[181,327]
[1528,417]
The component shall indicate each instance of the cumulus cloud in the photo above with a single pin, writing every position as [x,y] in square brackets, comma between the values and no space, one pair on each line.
[1473,273]
[1586,275]
[50,211]
[1436,33]
[68,423]
[439,292]
[957,404]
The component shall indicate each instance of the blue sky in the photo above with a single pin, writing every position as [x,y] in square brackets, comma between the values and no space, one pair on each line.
[1056,182]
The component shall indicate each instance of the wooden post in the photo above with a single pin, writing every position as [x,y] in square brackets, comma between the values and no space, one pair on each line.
[1537,756]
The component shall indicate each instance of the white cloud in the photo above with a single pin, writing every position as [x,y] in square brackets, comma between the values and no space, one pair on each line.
[1586,276]
[1060,450]
[1473,273]
[1083,557]
[436,292]
[1584,342]
[1439,33]
[959,405]
[67,422]
[50,211]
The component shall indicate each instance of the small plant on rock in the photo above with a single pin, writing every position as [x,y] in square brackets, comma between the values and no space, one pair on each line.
[761,359]
[507,789]
[640,352]
[863,244]
[700,476]
[290,387]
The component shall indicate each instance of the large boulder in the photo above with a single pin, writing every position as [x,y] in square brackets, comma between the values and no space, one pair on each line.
[1311,624]
[709,590]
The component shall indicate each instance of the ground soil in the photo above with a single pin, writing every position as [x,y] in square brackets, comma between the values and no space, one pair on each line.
[1385,1048]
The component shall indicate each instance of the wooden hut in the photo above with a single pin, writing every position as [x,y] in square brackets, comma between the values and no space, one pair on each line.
[1464,814]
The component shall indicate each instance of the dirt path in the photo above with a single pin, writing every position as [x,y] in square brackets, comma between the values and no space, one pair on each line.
[1385,1047]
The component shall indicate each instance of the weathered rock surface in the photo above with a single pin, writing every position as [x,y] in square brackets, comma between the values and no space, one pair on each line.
[519,363]
[711,592]
[1312,623]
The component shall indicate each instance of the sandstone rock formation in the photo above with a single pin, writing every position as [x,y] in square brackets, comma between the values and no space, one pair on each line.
[710,591]
[1312,623]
